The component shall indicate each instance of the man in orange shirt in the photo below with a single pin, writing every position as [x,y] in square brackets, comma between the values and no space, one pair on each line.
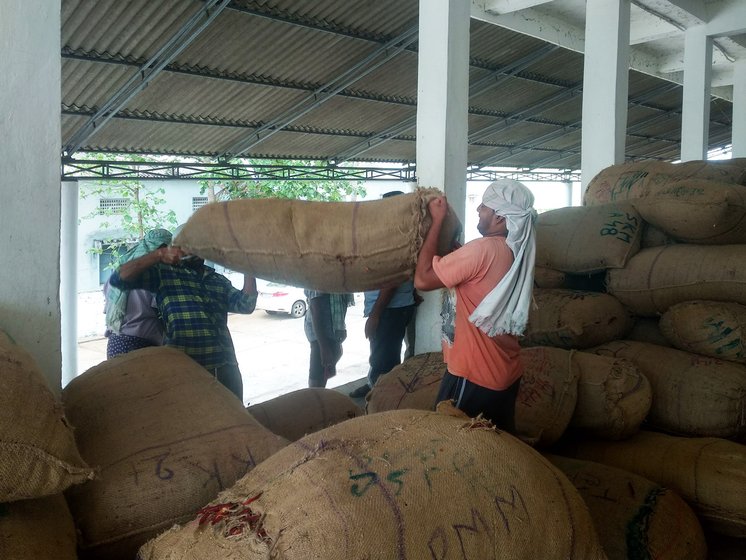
[490,283]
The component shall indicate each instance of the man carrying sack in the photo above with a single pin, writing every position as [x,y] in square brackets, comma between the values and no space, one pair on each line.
[490,282]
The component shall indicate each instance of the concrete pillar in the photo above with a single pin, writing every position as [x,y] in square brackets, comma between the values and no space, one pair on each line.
[605,85]
[69,280]
[695,110]
[739,109]
[30,179]
[442,108]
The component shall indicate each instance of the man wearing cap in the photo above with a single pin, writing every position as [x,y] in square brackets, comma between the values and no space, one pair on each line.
[194,302]
[490,282]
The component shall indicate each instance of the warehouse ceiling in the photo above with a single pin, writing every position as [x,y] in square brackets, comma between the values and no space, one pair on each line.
[336,80]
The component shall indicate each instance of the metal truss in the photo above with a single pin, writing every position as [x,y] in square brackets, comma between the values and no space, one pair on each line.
[81,170]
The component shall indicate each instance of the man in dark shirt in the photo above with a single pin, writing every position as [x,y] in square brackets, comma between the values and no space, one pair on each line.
[194,302]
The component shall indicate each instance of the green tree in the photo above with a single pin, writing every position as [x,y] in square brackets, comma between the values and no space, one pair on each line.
[300,189]
[138,209]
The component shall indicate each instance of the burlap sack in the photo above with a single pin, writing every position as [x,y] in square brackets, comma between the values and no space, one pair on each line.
[393,485]
[692,395]
[165,438]
[39,529]
[574,319]
[710,328]
[38,455]
[412,384]
[655,237]
[327,246]
[629,181]
[634,517]
[305,411]
[547,394]
[549,278]
[614,397]
[587,239]
[697,211]
[647,329]
[707,472]
[655,279]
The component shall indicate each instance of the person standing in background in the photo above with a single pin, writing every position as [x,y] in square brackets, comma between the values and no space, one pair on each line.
[194,302]
[132,320]
[490,283]
[325,330]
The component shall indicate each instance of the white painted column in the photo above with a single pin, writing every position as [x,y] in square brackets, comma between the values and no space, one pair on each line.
[30,179]
[605,85]
[69,280]
[739,109]
[442,108]
[695,110]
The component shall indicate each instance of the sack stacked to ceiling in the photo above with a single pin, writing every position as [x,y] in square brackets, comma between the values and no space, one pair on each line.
[393,485]
[165,438]
[327,246]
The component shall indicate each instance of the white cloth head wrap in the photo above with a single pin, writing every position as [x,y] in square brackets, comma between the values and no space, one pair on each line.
[505,309]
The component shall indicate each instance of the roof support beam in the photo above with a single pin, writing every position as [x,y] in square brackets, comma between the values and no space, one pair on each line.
[739,109]
[374,60]
[176,44]
[695,113]
[506,6]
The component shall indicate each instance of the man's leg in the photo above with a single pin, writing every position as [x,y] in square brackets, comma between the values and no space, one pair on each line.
[316,377]
[230,376]
[385,348]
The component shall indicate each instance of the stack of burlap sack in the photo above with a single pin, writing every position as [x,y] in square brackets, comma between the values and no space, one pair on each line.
[644,370]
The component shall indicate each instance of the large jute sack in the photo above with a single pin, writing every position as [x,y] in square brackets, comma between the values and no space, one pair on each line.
[38,454]
[693,395]
[412,384]
[327,246]
[393,485]
[708,473]
[629,181]
[305,411]
[696,211]
[547,394]
[655,279]
[549,278]
[587,239]
[165,438]
[655,237]
[614,396]
[38,529]
[710,328]
[635,517]
[574,319]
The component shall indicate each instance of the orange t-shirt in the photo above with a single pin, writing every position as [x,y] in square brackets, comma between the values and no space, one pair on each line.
[472,272]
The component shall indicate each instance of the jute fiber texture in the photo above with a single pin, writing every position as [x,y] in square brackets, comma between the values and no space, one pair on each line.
[305,411]
[647,329]
[38,453]
[547,394]
[655,279]
[165,438]
[38,529]
[397,485]
[697,211]
[587,239]
[711,328]
[574,319]
[412,384]
[549,278]
[628,181]
[707,472]
[327,246]
[635,517]
[614,396]
[692,395]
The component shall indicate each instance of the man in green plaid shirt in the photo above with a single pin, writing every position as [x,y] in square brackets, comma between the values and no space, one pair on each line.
[325,330]
[194,302]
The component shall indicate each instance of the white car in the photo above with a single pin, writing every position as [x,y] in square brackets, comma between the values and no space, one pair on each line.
[277,298]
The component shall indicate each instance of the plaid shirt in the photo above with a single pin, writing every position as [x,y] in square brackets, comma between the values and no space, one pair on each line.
[194,306]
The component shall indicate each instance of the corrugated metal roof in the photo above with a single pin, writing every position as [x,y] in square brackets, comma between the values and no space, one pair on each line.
[262,60]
